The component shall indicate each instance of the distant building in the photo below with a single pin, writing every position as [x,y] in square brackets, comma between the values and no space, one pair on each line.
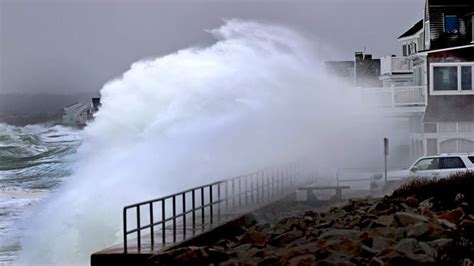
[78,114]
[363,71]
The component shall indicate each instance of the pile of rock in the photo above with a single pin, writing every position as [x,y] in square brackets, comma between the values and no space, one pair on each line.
[362,232]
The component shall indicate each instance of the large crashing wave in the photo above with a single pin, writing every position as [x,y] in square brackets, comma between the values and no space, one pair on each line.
[258,97]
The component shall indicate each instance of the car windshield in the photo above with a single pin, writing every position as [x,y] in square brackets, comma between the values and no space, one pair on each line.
[427,164]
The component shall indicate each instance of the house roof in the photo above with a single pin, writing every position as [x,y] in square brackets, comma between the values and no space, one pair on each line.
[449,2]
[426,52]
[452,108]
[413,30]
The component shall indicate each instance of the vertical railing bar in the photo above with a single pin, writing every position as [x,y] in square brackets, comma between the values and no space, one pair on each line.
[194,209]
[277,183]
[163,219]
[184,216]
[251,189]
[257,189]
[282,175]
[211,205]
[139,232]
[125,235]
[240,192]
[260,187]
[246,191]
[269,188]
[226,195]
[233,194]
[262,177]
[174,219]
[152,233]
[202,207]
[219,202]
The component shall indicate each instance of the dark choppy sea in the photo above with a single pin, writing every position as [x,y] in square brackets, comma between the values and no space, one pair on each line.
[34,159]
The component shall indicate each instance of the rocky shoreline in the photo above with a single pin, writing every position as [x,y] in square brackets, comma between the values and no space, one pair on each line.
[386,231]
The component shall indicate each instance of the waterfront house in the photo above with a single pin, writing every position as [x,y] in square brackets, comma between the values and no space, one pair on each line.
[428,91]
[444,65]
[77,114]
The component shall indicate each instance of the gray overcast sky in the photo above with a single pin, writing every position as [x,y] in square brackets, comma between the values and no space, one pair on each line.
[77,45]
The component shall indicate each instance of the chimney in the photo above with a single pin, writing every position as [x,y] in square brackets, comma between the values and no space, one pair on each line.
[359,56]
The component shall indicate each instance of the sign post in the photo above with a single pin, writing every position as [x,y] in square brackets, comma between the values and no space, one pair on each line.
[385,151]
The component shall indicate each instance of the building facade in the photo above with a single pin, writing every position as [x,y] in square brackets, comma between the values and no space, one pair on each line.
[438,56]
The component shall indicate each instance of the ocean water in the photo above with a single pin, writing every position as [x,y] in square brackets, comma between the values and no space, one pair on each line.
[33,161]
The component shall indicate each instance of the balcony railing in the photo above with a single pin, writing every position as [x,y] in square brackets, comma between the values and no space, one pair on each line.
[396,96]
[390,65]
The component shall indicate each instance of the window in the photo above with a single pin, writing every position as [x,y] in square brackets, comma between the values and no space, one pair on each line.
[445,78]
[466,127]
[430,128]
[427,164]
[452,78]
[471,158]
[448,127]
[405,50]
[451,163]
[466,78]
[450,24]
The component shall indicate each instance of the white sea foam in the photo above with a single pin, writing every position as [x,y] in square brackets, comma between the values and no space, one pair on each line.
[258,97]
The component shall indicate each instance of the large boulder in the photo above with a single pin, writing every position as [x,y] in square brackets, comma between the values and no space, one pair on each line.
[405,218]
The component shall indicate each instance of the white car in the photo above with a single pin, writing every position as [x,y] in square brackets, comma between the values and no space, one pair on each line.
[439,166]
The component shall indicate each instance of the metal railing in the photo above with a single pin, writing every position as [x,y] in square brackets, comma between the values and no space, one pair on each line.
[201,207]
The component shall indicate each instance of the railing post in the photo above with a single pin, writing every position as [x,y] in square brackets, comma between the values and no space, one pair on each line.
[184,216]
[226,195]
[202,207]
[246,191]
[233,193]
[272,177]
[174,219]
[268,186]
[219,202]
[139,232]
[251,189]
[194,209]
[163,223]
[211,203]
[240,192]
[282,178]
[125,230]
[257,177]
[152,233]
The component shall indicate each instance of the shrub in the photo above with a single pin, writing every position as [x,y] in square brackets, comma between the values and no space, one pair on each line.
[443,191]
